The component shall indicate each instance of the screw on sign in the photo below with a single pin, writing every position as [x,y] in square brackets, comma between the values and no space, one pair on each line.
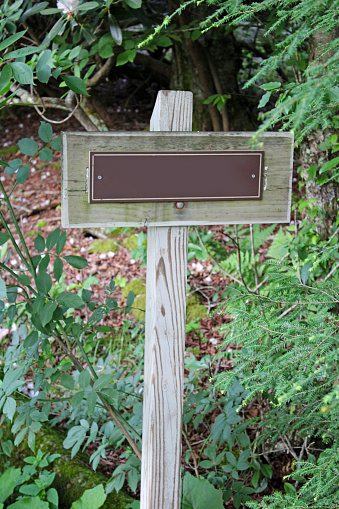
[183,178]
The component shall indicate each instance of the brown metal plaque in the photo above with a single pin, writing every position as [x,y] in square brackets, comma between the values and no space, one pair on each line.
[175,176]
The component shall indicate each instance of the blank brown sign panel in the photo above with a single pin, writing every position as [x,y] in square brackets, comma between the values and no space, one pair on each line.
[175,176]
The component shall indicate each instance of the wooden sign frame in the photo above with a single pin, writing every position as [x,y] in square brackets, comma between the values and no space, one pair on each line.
[78,213]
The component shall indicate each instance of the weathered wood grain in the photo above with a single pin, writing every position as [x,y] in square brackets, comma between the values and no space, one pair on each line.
[165,338]
[77,212]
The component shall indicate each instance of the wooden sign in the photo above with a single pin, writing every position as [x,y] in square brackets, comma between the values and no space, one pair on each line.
[175,176]
[266,198]
[273,207]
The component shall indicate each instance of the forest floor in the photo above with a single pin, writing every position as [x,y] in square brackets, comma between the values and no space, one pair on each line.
[38,208]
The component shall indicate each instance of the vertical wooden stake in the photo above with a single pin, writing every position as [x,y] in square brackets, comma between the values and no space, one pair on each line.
[165,336]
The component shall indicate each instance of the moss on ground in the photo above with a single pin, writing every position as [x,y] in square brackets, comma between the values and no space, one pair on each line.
[73,475]
[138,287]
[9,151]
[103,246]
[195,311]
[131,242]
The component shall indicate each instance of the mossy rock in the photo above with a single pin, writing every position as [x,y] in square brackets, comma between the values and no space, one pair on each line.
[195,311]
[138,287]
[73,475]
[9,151]
[131,242]
[103,246]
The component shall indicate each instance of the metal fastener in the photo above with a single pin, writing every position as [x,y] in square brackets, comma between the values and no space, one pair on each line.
[253,175]
[180,205]
[99,177]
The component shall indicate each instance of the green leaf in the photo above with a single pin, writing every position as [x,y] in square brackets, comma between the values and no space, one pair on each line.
[329,165]
[58,28]
[134,4]
[9,408]
[61,243]
[22,73]
[126,56]
[48,12]
[264,100]
[86,6]
[67,381]
[52,238]
[22,174]
[70,300]
[103,381]
[28,147]
[305,271]
[5,77]
[34,10]
[8,482]
[45,132]
[3,238]
[53,497]
[115,29]
[130,299]
[91,499]
[76,84]
[11,40]
[77,398]
[91,402]
[200,494]
[43,283]
[110,395]
[31,339]
[29,503]
[133,479]
[266,470]
[22,52]
[44,73]
[289,488]
[3,291]
[76,261]
[30,489]
[46,314]
[46,154]
[20,436]
[273,85]
[39,243]
[84,379]
[58,267]
[56,143]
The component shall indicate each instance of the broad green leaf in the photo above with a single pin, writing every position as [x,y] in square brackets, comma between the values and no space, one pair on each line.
[87,6]
[43,283]
[264,100]
[30,489]
[39,243]
[5,77]
[329,165]
[305,271]
[273,85]
[76,84]
[28,147]
[70,300]
[29,503]
[103,381]
[22,73]
[61,243]
[77,398]
[84,379]
[45,132]
[57,269]
[3,292]
[48,12]
[110,395]
[266,470]
[57,29]
[44,73]
[22,52]
[130,299]
[24,280]
[3,238]
[290,489]
[22,174]
[133,479]
[76,261]
[8,482]
[134,4]
[52,238]
[31,339]
[47,312]
[11,40]
[36,8]
[67,381]
[200,494]
[115,29]
[56,143]
[7,447]
[9,408]
[91,499]
[91,402]
[46,154]
[20,436]
[126,56]
[53,497]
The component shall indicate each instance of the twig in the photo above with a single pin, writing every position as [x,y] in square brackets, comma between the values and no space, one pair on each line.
[287,311]
[332,271]
[332,237]
[289,447]
[304,446]
[185,433]
[41,113]
[254,263]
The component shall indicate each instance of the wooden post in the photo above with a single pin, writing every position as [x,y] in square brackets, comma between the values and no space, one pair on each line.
[165,336]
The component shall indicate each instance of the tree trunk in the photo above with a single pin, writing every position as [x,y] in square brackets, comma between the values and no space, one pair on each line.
[325,197]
